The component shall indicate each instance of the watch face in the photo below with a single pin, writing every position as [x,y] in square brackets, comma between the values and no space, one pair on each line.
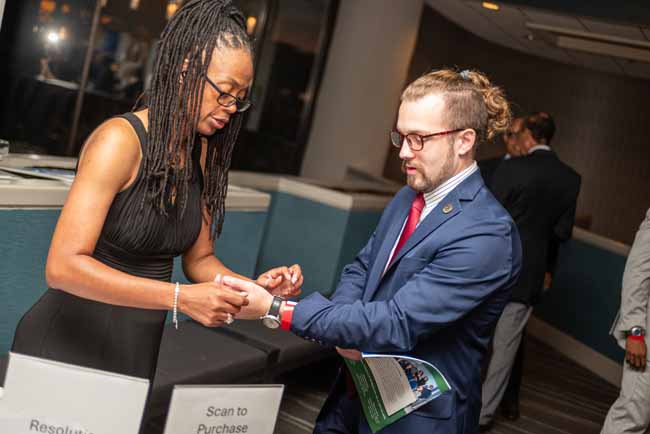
[637,331]
[271,322]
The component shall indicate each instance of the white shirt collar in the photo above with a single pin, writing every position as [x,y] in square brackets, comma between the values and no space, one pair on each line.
[433,197]
[539,148]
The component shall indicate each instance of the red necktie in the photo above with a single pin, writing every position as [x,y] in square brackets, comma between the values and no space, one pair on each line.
[411,223]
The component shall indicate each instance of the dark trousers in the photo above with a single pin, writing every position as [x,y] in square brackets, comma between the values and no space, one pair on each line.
[342,417]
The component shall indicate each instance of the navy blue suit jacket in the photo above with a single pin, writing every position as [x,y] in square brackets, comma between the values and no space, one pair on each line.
[439,300]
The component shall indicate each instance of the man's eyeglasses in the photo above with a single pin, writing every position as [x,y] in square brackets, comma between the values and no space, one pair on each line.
[416,141]
[227,100]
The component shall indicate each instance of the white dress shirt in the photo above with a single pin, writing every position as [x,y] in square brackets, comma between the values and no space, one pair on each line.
[539,148]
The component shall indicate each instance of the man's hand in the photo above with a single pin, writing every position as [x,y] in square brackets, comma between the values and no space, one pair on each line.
[635,353]
[283,281]
[259,299]
[349,354]
[548,280]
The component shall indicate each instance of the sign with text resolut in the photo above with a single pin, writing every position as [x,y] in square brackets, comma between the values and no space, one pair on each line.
[224,409]
[43,396]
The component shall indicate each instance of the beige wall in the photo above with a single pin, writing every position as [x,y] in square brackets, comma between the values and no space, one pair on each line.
[603,120]
[366,69]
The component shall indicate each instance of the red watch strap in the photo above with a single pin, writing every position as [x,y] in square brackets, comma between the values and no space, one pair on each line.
[287,315]
[636,338]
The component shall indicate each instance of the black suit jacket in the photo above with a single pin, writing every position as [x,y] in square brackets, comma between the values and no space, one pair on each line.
[540,193]
[488,167]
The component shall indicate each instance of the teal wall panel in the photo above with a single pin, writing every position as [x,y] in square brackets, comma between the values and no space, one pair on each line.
[361,225]
[238,246]
[25,238]
[241,239]
[301,231]
[319,237]
[585,296]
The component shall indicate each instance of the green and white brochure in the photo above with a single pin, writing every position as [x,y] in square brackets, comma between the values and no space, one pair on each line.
[392,386]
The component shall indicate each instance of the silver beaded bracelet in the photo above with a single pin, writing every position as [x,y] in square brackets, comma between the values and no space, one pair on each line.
[177,291]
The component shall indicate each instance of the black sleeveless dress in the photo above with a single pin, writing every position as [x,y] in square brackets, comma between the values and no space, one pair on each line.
[136,240]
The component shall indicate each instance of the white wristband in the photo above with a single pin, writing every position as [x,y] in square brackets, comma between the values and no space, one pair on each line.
[177,291]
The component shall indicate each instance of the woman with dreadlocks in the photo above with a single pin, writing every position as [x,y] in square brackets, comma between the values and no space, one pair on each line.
[151,185]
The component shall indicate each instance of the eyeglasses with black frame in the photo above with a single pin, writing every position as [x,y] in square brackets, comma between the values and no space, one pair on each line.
[226,99]
[416,141]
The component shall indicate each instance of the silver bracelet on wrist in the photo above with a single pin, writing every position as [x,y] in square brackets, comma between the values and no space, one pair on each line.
[177,291]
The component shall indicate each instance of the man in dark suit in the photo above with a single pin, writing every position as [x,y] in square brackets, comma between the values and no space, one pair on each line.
[428,283]
[540,193]
[511,141]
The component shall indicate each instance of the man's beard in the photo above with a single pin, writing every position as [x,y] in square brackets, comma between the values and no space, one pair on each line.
[419,182]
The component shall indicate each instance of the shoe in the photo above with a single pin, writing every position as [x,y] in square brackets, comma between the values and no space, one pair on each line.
[510,411]
[486,427]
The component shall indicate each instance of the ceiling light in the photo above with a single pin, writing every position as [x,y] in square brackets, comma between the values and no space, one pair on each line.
[47,7]
[491,6]
[604,48]
[53,37]
[172,7]
[597,43]
[251,22]
[589,35]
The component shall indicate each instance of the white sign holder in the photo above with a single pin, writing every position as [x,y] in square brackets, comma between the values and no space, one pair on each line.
[232,409]
[46,396]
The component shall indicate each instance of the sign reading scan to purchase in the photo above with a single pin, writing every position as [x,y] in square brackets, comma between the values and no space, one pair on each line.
[224,409]
[42,396]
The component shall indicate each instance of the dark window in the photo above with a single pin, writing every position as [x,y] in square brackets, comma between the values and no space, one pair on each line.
[290,62]
[45,47]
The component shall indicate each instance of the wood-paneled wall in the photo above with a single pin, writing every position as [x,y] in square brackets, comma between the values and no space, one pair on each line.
[603,120]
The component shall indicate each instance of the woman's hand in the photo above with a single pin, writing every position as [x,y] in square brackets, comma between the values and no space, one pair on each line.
[283,281]
[259,299]
[211,303]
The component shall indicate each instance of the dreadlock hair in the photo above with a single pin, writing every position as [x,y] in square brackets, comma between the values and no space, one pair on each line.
[185,50]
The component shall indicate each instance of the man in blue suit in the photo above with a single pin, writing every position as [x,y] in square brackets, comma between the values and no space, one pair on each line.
[435,276]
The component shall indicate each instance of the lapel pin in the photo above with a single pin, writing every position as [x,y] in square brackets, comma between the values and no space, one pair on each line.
[447,208]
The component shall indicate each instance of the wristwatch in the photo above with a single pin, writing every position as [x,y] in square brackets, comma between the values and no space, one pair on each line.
[636,331]
[272,317]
